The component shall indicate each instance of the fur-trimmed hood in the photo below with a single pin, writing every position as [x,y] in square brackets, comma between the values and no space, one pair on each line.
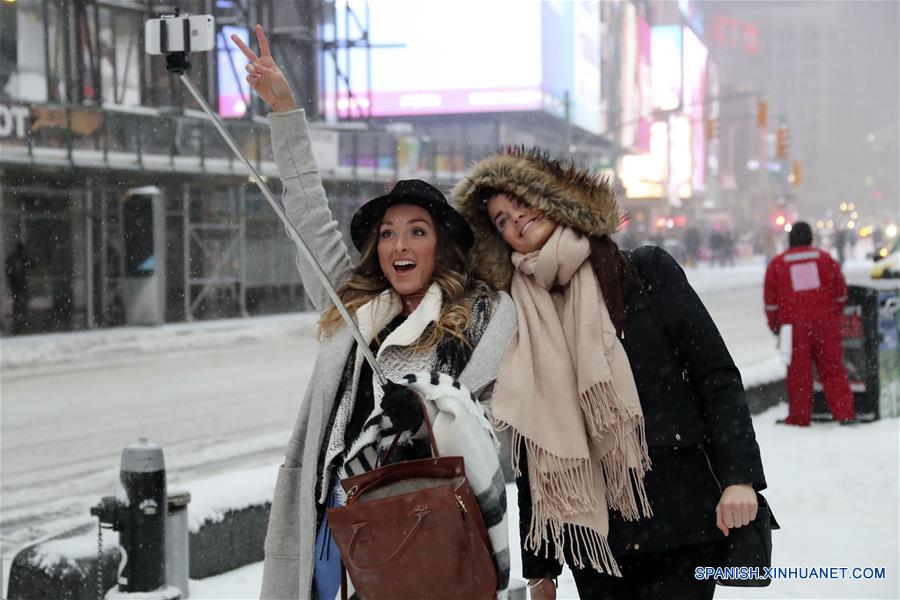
[571,196]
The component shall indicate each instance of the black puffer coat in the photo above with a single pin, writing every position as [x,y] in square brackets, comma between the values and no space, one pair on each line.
[699,429]
[698,426]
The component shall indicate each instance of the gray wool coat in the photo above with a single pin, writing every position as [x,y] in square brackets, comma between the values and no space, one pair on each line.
[290,539]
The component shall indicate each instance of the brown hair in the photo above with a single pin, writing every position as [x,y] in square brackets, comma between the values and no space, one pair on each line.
[452,273]
[614,271]
[616,275]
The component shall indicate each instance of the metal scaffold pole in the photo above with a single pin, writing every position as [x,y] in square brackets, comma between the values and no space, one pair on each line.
[291,229]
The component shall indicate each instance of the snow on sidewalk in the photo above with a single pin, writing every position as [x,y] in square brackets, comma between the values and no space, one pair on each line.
[107,344]
[833,489]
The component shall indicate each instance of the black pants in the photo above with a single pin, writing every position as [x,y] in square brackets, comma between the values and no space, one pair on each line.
[667,575]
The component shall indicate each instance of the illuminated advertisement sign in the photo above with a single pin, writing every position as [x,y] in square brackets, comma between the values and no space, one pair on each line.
[628,83]
[691,14]
[432,58]
[712,150]
[644,175]
[234,91]
[728,32]
[695,55]
[665,42]
[680,163]
[644,87]
[586,64]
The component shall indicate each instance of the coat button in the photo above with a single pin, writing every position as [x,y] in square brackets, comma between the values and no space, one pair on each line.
[678,437]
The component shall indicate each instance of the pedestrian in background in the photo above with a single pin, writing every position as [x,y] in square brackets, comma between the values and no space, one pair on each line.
[597,381]
[840,245]
[692,243]
[804,288]
[416,304]
[17,266]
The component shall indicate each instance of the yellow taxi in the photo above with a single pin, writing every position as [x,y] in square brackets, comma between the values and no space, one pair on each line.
[887,261]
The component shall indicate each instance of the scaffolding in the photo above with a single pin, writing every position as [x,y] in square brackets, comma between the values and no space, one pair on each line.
[108,118]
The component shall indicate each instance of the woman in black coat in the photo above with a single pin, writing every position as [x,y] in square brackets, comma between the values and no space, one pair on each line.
[705,460]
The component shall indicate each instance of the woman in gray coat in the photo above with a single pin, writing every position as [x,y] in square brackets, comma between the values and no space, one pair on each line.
[412,296]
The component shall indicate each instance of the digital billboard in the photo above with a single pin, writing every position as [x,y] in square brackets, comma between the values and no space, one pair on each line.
[432,58]
[644,175]
[644,86]
[234,91]
[628,83]
[694,92]
[585,56]
[665,43]
[713,110]
[680,160]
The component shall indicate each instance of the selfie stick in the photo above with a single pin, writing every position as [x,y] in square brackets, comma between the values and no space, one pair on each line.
[176,63]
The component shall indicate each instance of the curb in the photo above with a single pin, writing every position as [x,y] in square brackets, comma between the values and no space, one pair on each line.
[38,573]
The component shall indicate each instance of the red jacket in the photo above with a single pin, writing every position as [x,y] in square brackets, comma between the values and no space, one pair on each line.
[803,284]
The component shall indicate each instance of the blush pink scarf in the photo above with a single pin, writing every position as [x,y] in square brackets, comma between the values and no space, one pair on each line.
[566,389]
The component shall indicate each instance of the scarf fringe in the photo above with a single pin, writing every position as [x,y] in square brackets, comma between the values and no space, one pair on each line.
[603,410]
[624,465]
[587,542]
[569,481]
[589,548]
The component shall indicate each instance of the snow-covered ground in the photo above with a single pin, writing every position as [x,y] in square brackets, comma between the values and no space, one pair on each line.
[833,489]
[221,396]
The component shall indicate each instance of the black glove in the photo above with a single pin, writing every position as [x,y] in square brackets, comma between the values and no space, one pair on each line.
[402,406]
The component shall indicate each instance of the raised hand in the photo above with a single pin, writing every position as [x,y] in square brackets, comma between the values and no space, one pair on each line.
[265,77]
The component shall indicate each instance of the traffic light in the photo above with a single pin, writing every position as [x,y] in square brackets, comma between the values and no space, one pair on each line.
[782,141]
[797,172]
[762,113]
[712,128]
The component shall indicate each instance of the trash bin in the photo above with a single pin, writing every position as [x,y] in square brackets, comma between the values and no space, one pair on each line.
[889,349]
[869,339]
[177,547]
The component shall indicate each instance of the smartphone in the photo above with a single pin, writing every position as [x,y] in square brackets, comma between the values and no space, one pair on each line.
[184,33]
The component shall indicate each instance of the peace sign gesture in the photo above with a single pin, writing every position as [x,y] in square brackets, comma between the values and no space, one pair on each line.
[265,77]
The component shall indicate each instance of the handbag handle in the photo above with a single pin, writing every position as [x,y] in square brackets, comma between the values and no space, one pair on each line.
[421,514]
[434,449]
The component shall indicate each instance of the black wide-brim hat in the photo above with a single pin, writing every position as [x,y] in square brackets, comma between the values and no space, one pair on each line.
[419,193]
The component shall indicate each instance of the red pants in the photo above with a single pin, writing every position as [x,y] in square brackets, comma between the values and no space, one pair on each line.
[819,341]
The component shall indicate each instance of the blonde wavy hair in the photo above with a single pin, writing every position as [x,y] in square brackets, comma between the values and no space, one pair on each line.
[452,273]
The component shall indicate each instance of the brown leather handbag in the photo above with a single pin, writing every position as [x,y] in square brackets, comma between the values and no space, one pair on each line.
[413,529]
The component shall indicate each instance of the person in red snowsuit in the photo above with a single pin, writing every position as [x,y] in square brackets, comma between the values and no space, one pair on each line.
[805,288]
